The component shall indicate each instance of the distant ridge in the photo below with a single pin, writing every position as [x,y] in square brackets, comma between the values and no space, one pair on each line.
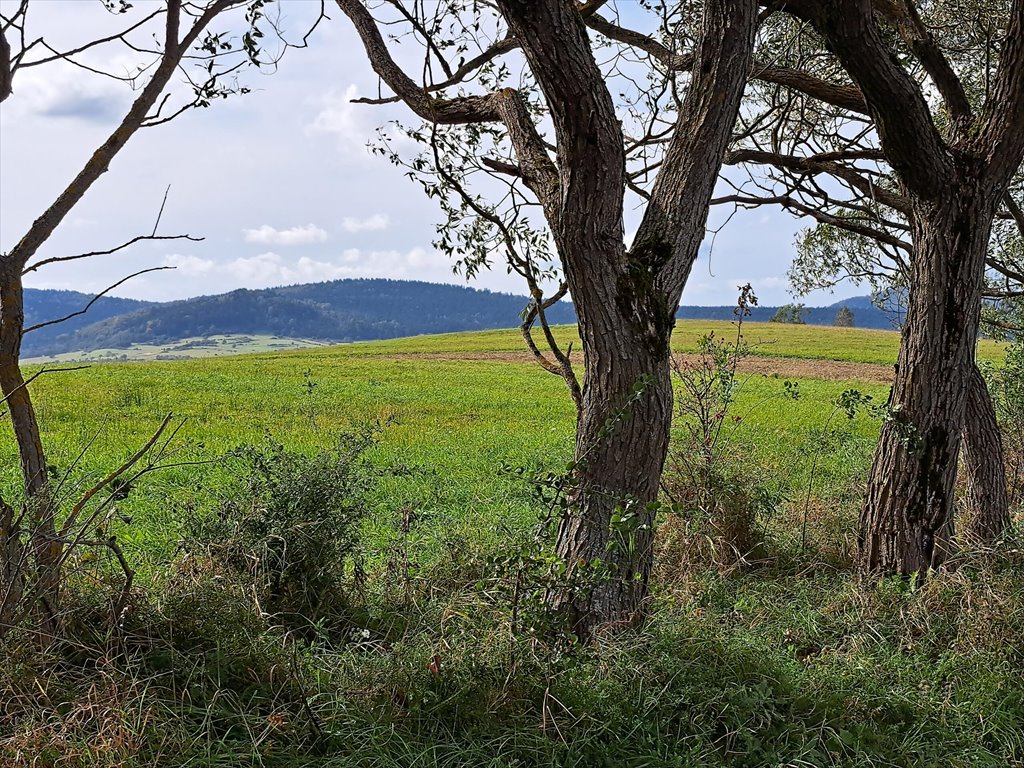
[42,306]
[865,314]
[335,311]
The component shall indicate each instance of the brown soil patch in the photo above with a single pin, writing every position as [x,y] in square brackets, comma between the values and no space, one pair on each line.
[796,367]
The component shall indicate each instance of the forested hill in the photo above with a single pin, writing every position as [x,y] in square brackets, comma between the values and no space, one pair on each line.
[43,306]
[340,310]
[336,311]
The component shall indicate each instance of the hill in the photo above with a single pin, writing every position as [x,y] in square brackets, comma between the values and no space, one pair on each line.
[42,306]
[335,311]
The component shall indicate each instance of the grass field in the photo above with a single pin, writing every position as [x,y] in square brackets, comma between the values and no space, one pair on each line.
[769,339]
[184,349]
[459,406]
[787,662]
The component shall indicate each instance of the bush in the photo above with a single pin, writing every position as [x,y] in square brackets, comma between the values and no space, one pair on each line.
[289,524]
[715,498]
[1007,388]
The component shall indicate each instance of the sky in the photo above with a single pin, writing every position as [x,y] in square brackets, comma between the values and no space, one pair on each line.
[279,182]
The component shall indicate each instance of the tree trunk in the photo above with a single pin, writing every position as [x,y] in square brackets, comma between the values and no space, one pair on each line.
[987,499]
[41,524]
[907,512]
[12,567]
[622,439]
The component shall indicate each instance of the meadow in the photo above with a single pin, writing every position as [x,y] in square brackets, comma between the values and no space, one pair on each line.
[782,659]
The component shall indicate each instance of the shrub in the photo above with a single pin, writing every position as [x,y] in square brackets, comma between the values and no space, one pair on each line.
[1007,388]
[289,524]
[714,496]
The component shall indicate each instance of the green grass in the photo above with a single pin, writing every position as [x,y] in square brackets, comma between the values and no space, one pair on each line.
[857,345]
[789,663]
[455,421]
[205,346]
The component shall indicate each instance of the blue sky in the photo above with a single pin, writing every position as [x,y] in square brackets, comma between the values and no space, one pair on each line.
[278,182]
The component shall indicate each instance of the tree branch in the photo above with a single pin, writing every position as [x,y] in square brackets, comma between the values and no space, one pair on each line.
[1001,137]
[461,110]
[673,224]
[98,163]
[842,96]
[140,238]
[93,300]
[909,137]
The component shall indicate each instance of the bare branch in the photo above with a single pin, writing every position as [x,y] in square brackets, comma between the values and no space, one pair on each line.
[1002,133]
[911,141]
[907,21]
[820,164]
[66,55]
[134,459]
[842,96]
[791,204]
[174,47]
[140,238]
[674,221]
[94,299]
[466,109]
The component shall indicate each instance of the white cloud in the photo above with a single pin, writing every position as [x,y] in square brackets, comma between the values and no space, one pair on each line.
[267,235]
[349,122]
[66,93]
[269,269]
[770,283]
[189,265]
[370,224]
[357,127]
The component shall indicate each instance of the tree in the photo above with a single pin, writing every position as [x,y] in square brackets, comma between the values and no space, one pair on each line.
[165,38]
[844,318]
[792,314]
[625,296]
[953,139]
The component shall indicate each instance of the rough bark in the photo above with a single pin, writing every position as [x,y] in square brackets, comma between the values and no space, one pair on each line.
[625,299]
[40,521]
[953,182]
[5,67]
[986,498]
[907,511]
[621,443]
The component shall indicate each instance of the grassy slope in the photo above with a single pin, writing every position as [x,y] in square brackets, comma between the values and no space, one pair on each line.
[786,665]
[458,420]
[769,339]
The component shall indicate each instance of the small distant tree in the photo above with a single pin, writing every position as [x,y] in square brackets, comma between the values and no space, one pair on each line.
[844,318]
[789,313]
